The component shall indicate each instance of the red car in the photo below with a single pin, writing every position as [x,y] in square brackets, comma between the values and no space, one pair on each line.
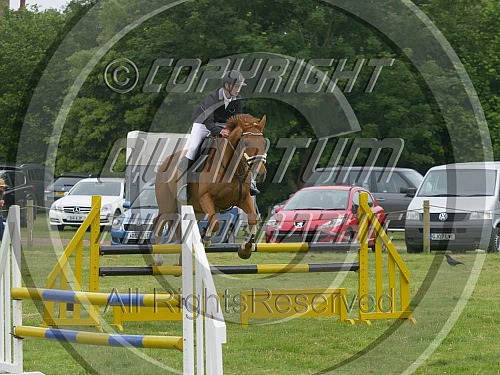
[320,214]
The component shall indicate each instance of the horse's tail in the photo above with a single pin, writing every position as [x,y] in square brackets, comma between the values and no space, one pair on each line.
[158,226]
[166,195]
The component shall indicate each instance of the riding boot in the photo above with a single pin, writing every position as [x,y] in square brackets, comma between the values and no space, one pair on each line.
[183,167]
[253,186]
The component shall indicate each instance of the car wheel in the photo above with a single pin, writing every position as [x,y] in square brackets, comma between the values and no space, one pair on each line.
[495,241]
[57,227]
[349,236]
[413,249]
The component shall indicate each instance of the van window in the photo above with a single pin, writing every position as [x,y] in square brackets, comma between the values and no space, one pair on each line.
[37,174]
[19,179]
[393,185]
[459,183]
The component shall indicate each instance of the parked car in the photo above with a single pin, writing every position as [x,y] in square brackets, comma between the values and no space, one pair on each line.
[61,185]
[393,188]
[135,225]
[17,191]
[320,214]
[73,208]
[37,175]
[464,201]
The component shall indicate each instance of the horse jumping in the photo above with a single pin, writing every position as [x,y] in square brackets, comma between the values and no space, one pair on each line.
[223,182]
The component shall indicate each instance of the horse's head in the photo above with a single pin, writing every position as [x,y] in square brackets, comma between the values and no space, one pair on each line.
[248,131]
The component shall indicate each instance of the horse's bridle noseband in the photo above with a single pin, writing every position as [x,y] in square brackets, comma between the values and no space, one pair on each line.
[250,160]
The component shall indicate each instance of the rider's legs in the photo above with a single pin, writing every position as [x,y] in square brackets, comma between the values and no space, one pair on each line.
[198,133]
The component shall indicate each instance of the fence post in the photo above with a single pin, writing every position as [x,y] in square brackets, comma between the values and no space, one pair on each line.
[427,228]
[30,224]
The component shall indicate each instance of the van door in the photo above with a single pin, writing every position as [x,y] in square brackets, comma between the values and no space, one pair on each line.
[391,195]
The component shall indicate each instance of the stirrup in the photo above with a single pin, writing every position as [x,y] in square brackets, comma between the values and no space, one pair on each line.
[254,191]
[182,194]
[253,187]
[184,164]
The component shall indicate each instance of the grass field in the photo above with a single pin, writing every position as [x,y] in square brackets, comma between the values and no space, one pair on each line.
[465,341]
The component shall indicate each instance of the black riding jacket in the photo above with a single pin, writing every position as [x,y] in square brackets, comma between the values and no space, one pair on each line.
[211,111]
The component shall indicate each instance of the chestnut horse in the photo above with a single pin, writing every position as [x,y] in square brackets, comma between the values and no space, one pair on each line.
[223,182]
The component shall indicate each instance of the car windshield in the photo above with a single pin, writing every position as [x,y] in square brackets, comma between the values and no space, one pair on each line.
[65,181]
[345,176]
[146,198]
[97,188]
[317,199]
[459,183]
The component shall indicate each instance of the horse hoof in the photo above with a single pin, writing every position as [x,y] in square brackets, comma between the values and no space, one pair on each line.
[207,242]
[245,251]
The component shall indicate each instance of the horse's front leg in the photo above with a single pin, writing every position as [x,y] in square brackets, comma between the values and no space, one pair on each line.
[248,246]
[208,206]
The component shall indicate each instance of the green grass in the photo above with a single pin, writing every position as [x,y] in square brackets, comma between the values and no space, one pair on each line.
[297,346]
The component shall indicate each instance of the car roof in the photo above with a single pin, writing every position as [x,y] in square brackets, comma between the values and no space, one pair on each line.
[103,179]
[23,165]
[74,175]
[332,187]
[3,169]
[474,165]
[361,167]
[9,167]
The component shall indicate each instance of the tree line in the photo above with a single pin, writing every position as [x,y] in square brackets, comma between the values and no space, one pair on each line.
[400,105]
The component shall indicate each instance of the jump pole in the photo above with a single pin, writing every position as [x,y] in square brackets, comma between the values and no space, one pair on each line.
[102,339]
[96,299]
[231,270]
[291,247]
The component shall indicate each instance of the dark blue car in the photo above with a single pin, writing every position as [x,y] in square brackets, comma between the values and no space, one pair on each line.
[134,226]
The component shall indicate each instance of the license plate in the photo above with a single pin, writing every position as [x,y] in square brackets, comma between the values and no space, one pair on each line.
[138,235]
[59,193]
[442,236]
[77,218]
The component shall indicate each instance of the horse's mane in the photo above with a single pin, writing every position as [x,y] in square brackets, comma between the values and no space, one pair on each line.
[244,120]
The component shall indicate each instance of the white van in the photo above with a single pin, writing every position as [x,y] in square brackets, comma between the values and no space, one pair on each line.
[464,203]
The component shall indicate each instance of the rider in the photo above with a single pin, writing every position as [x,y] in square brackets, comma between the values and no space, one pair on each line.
[210,118]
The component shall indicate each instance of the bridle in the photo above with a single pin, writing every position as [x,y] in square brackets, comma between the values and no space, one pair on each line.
[250,160]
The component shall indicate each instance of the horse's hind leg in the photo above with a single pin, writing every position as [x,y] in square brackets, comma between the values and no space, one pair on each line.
[158,225]
[173,234]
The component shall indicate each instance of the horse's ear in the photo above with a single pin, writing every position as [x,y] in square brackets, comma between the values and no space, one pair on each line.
[262,123]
